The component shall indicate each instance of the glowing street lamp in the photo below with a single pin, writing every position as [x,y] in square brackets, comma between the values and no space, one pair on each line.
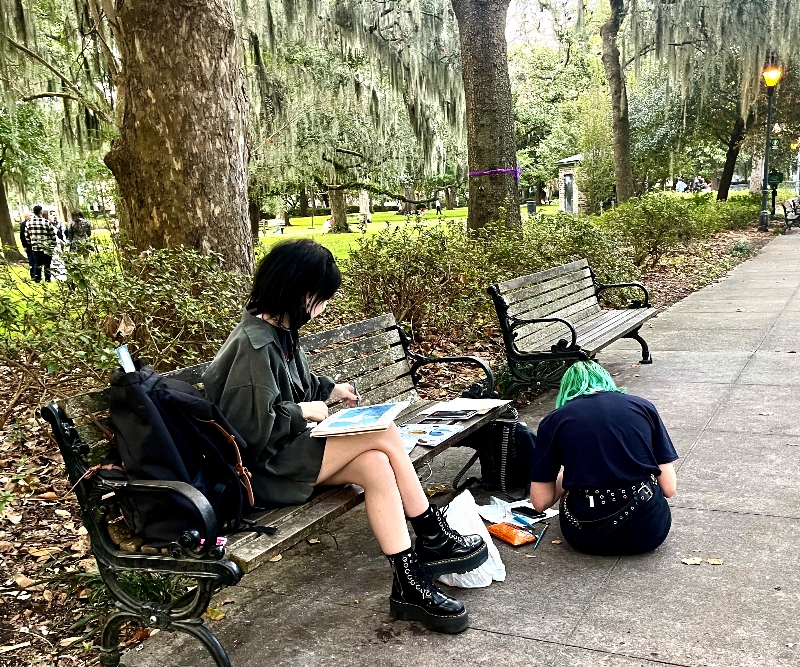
[772,75]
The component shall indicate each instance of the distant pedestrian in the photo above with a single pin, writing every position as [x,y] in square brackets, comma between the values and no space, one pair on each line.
[438,207]
[41,238]
[25,243]
[680,186]
[58,269]
[79,234]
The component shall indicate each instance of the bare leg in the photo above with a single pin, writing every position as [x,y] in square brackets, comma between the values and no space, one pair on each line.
[372,471]
[341,450]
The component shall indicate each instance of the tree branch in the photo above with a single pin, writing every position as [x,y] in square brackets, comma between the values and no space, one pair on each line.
[63,78]
[380,191]
[36,96]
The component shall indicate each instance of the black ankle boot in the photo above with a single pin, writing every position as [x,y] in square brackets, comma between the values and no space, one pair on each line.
[415,598]
[444,550]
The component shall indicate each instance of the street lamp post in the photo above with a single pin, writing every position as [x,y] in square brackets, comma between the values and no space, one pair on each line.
[772,75]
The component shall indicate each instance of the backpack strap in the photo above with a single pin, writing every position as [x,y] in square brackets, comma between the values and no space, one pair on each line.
[463,472]
[242,472]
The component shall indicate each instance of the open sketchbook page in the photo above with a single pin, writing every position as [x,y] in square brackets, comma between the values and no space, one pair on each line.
[359,420]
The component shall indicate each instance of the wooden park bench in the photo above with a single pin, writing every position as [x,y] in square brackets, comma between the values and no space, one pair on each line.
[552,318]
[791,213]
[373,352]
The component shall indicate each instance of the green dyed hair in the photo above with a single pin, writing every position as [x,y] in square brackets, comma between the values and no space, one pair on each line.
[584,377]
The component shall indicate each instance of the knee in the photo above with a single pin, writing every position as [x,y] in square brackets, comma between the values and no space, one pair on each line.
[391,442]
[375,467]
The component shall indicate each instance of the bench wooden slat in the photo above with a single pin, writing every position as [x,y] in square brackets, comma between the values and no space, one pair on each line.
[541,276]
[393,392]
[558,331]
[586,307]
[606,321]
[553,284]
[327,359]
[368,383]
[553,303]
[600,339]
[324,338]
[355,369]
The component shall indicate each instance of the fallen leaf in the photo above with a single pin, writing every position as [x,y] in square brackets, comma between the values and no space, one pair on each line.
[81,545]
[530,555]
[47,595]
[68,641]
[738,310]
[63,513]
[47,495]
[275,559]
[22,581]
[214,614]
[313,540]
[226,601]
[556,542]
[15,518]
[714,561]
[692,561]
[792,351]
[6,546]
[13,647]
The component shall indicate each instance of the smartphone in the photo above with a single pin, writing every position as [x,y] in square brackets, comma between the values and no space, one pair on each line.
[453,414]
[527,513]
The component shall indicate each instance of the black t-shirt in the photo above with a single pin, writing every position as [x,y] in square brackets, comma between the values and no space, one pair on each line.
[605,439]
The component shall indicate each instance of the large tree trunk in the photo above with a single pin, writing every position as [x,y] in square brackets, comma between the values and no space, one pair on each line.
[303,203]
[338,212]
[254,214]
[490,120]
[181,156]
[619,102]
[757,174]
[448,199]
[7,237]
[734,145]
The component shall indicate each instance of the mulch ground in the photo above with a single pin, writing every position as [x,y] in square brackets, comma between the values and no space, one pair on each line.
[52,603]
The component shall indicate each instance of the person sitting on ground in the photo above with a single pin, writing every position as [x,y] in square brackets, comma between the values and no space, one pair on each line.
[617,463]
[260,380]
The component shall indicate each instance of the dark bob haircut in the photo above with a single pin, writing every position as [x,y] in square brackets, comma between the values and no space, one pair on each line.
[287,275]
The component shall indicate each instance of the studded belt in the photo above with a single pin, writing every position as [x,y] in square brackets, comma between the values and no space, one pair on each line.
[627,499]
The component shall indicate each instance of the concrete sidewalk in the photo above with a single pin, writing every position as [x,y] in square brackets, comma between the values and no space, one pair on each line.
[726,381]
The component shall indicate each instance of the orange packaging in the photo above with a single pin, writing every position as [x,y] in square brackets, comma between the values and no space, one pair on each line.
[510,533]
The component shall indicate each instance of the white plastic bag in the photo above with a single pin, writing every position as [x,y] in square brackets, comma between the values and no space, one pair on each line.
[462,515]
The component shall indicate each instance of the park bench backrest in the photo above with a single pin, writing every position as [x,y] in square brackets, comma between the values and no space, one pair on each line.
[566,291]
[371,352]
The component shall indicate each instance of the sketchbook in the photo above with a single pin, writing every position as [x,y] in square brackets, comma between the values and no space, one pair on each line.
[359,420]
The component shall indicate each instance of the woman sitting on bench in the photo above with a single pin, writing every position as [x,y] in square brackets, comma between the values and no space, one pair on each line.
[261,381]
[617,466]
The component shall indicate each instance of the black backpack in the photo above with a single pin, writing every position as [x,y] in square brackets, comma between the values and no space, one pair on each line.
[505,450]
[165,429]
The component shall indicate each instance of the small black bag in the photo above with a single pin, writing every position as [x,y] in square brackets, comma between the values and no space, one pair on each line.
[505,450]
[166,430]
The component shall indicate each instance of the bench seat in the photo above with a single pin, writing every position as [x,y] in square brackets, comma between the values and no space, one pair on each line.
[791,212]
[553,318]
[373,352]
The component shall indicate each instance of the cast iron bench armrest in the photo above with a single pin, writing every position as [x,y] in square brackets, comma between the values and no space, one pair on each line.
[197,499]
[475,390]
[634,304]
[517,322]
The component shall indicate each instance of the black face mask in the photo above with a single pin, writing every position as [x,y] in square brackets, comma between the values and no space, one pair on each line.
[301,317]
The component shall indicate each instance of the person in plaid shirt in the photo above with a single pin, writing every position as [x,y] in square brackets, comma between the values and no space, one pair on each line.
[41,239]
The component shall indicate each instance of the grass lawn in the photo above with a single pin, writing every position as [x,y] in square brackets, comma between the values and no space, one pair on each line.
[340,244]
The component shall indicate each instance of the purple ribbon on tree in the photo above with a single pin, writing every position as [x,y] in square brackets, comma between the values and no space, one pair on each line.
[517,171]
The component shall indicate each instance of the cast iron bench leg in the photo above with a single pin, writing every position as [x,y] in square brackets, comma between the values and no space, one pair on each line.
[646,358]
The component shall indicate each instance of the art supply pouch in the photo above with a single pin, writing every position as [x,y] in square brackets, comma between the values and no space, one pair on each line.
[512,534]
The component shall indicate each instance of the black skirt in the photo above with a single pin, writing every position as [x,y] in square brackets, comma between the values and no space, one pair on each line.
[642,532]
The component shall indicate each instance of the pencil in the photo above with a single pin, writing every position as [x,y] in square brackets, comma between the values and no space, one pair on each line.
[541,535]
[355,391]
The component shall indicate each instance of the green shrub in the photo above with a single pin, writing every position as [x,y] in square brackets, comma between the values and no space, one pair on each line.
[654,224]
[435,278]
[738,212]
[180,305]
[742,249]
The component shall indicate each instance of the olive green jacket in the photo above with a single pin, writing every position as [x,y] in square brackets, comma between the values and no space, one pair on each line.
[258,391]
